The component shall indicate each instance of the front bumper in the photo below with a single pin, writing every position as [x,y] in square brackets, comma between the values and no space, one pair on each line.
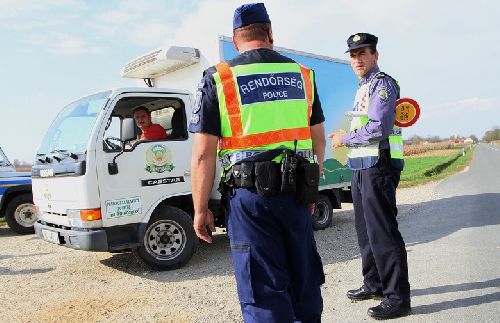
[92,240]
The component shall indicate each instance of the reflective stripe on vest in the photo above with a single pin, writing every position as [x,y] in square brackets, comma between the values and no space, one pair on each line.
[371,151]
[250,121]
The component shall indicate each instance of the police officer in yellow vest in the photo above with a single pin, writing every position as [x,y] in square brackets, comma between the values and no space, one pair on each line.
[375,154]
[262,112]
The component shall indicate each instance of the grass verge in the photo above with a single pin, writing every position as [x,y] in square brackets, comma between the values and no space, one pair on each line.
[423,169]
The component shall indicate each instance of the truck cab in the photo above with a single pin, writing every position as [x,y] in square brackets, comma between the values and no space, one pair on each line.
[99,188]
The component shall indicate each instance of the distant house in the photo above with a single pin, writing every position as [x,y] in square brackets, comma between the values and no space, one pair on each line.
[456,140]
[468,141]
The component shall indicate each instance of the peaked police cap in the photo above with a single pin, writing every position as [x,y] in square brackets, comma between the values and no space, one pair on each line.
[250,13]
[361,40]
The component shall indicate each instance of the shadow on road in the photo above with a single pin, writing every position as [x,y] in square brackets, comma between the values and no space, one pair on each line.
[456,288]
[207,259]
[5,231]
[440,218]
[457,303]
[4,271]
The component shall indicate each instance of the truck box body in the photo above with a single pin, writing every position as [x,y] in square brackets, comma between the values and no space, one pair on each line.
[97,189]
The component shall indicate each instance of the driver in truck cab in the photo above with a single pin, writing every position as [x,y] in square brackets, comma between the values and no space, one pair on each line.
[150,130]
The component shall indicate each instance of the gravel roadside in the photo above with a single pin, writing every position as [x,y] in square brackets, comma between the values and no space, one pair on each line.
[41,282]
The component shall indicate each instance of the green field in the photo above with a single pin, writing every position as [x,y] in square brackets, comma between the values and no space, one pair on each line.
[420,170]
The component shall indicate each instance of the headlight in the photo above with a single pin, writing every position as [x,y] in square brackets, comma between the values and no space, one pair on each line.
[88,218]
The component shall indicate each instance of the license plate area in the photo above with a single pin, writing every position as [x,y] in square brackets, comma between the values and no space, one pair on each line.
[51,236]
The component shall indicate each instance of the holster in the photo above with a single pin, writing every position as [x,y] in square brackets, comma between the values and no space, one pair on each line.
[289,173]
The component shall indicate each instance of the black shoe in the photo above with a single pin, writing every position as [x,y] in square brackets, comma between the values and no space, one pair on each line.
[362,294]
[387,311]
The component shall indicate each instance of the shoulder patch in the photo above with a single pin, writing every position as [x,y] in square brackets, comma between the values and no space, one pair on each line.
[195,118]
[383,93]
[197,102]
[380,75]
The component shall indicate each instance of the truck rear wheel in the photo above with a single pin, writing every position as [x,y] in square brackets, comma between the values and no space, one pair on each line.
[19,214]
[169,240]
[323,213]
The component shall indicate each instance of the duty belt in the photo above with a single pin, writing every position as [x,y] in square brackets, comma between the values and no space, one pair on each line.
[240,155]
[294,174]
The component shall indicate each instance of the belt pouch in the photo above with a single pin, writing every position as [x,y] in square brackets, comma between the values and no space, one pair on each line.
[267,178]
[246,170]
[308,182]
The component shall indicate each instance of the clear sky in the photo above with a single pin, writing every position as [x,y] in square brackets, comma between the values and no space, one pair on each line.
[445,54]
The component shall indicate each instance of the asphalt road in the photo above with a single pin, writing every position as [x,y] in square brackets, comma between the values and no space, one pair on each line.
[453,244]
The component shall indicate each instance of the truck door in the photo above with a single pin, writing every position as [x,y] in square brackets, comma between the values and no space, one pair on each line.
[145,172]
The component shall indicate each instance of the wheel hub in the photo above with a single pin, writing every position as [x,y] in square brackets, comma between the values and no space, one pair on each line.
[165,239]
[320,214]
[24,215]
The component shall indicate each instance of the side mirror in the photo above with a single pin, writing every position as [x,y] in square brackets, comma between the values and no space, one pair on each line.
[128,129]
[113,168]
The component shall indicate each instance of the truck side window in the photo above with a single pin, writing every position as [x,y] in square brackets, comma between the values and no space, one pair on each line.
[178,122]
[172,120]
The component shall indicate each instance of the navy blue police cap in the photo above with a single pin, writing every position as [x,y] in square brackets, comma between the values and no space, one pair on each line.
[361,40]
[250,13]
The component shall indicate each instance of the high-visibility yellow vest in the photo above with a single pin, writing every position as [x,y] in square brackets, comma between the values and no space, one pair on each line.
[263,106]
[367,155]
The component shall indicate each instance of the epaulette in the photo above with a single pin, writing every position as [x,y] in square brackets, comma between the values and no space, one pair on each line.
[381,75]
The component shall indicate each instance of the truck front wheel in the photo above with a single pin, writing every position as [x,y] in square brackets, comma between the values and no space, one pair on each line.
[323,213]
[19,214]
[169,240]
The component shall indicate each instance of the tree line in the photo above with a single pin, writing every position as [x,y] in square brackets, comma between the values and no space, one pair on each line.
[489,136]
[492,135]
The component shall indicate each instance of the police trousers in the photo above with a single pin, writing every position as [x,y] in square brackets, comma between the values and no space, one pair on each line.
[277,267]
[383,252]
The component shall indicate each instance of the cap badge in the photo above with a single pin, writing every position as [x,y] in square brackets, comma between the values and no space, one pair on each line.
[356,38]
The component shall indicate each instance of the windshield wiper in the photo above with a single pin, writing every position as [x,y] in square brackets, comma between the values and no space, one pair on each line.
[63,153]
[42,158]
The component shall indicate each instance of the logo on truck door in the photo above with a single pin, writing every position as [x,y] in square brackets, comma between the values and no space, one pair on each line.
[159,159]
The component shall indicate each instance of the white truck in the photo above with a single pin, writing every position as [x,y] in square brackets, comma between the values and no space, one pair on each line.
[95,191]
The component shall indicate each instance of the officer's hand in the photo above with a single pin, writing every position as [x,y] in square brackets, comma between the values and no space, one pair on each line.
[337,138]
[312,207]
[200,223]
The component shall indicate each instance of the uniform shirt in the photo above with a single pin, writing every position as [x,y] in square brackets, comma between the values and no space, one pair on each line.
[153,132]
[205,116]
[381,112]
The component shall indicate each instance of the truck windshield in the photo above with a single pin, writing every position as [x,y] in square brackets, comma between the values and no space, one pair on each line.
[71,129]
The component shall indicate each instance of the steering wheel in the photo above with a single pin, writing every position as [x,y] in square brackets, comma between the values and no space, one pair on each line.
[111,145]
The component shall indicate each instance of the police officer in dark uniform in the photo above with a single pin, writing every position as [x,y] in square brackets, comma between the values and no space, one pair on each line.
[375,154]
[262,112]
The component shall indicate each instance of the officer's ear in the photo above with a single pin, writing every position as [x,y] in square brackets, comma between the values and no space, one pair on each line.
[235,42]
[270,35]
